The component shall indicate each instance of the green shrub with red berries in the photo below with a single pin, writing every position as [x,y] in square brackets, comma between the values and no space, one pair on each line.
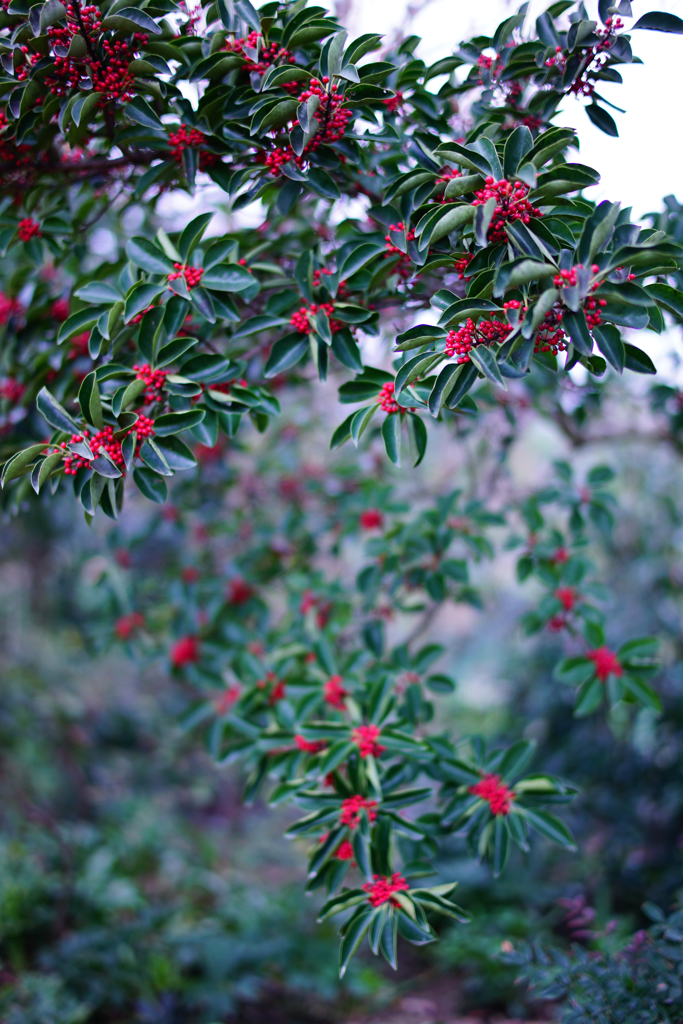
[393,193]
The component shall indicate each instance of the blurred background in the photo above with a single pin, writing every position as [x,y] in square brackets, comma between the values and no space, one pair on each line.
[133,883]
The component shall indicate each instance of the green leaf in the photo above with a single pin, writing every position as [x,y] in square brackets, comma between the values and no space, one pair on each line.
[192,235]
[588,697]
[140,112]
[154,459]
[139,298]
[462,385]
[322,184]
[658,21]
[353,938]
[549,826]
[642,692]
[343,433]
[360,421]
[98,292]
[610,344]
[415,933]
[54,413]
[151,485]
[131,19]
[577,328]
[574,670]
[228,277]
[285,353]
[670,298]
[89,400]
[501,844]
[602,120]
[637,360]
[453,218]
[484,360]
[78,322]
[145,254]
[516,759]
[175,422]
[518,146]
[462,185]
[642,647]
[388,940]
[20,462]
[342,901]
[391,435]
[417,437]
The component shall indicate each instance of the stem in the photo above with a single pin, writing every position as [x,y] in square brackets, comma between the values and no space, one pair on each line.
[81,24]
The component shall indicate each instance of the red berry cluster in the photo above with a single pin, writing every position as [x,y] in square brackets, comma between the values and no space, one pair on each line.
[494,792]
[331,115]
[183,139]
[300,319]
[334,693]
[226,700]
[592,58]
[104,439]
[144,427]
[193,275]
[382,888]
[28,229]
[12,390]
[606,663]
[224,386]
[78,346]
[60,309]
[239,592]
[567,278]
[387,401]
[531,121]
[371,519]
[461,264]
[9,307]
[14,157]
[268,56]
[154,379]
[551,336]
[324,608]
[109,74]
[318,276]
[486,332]
[366,737]
[185,651]
[345,851]
[351,808]
[402,268]
[491,64]
[394,103]
[511,204]
[309,746]
[447,174]
[390,247]
[127,625]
